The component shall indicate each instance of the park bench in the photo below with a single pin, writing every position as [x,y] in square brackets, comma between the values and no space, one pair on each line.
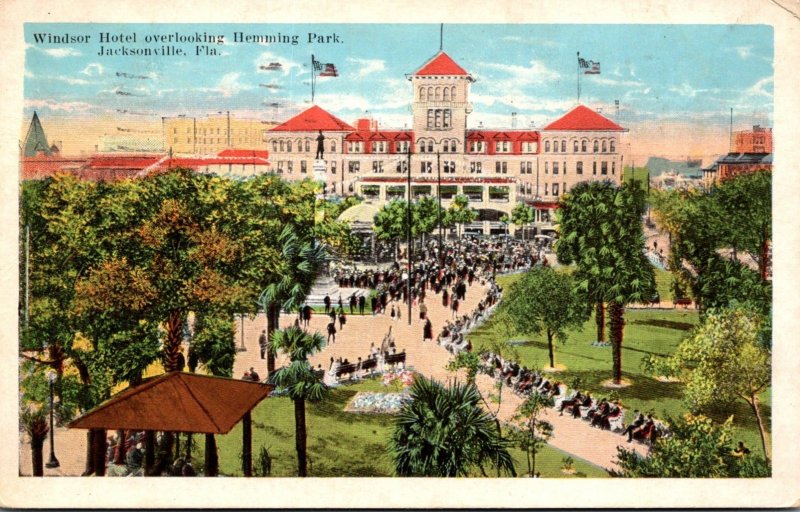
[369,365]
[683,301]
[346,369]
[396,359]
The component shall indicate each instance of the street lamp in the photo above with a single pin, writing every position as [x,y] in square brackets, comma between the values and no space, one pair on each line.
[242,348]
[53,462]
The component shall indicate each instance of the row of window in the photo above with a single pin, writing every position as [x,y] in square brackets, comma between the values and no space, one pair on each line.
[287,146]
[554,166]
[502,146]
[439,119]
[437,93]
[210,131]
[598,146]
[287,166]
[448,146]
[204,140]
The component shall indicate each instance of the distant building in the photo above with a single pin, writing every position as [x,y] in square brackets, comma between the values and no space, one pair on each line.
[494,168]
[212,134]
[752,152]
[35,140]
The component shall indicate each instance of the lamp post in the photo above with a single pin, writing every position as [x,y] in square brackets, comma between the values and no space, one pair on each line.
[439,211]
[242,348]
[53,462]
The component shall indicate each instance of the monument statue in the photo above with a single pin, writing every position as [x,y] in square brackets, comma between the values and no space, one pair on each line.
[320,146]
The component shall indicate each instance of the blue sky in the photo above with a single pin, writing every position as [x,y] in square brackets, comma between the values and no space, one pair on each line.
[663,75]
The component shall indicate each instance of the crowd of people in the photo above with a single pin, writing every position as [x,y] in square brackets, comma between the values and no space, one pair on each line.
[127,459]
[605,414]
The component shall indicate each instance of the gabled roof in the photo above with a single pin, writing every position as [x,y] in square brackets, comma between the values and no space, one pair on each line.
[244,153]
[178,402]
[441,64]
[312,120]
[582,118]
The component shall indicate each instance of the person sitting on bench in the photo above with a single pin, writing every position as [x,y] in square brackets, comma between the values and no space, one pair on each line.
[636,424]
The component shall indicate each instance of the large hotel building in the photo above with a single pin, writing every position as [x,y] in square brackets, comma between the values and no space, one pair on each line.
[495,169]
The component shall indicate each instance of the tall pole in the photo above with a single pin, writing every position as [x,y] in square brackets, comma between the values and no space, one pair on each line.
[242,348]
[439,211]
[441,36]
[313,74]
[579,77]
[730,134]
[229,127]
[53,462]
[408,234]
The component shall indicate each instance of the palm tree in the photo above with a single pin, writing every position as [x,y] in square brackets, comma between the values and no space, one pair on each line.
[298,380]
[301,260]
[601,231]
[35,424]
[444,432]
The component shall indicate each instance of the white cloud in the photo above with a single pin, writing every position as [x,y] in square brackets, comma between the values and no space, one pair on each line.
[596,79]
[65,106]
[534,74]
[93,69]
[230,85]
[367,66]
[347,101]
[70,81]
[760,88]
[62,52]
[744,51]
[287,65]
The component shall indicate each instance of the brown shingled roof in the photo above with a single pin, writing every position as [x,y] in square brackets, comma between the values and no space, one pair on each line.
[178,402]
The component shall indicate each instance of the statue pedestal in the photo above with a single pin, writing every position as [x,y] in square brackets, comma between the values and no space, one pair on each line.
[323,285]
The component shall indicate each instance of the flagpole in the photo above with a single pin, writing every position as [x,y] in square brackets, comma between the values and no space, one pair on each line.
[313,74]
[579,77]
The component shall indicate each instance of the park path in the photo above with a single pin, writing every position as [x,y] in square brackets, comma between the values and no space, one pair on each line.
[572,436]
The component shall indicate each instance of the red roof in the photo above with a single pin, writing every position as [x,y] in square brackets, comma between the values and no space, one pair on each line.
[312,120]
[441,64]
[582,118]
[502,135]
[117,162]
[178,402]
[244,153]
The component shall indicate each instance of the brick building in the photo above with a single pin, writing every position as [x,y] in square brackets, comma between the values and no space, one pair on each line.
[752,152]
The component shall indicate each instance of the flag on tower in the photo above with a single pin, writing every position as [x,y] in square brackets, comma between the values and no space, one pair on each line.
[330,70]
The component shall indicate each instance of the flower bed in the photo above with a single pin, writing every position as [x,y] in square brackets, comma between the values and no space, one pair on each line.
[377,403]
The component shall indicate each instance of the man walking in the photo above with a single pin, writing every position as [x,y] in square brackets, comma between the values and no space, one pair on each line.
[262,342]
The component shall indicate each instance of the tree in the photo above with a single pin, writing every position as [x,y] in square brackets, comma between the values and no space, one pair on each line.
[444,432]
[696,448]
[299,381]
[521,216]
[601,231]
[391,221]
[460,213]
[724,360]
[301,260]
[546,301]
[533,433]
[213,344]
[35,424]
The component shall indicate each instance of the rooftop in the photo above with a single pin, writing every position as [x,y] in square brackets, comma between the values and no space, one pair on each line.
[313,119]
[582,118]
[441,64]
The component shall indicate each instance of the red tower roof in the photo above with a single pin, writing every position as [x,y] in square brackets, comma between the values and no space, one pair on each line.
[440,64]
[582,118]
[314,119]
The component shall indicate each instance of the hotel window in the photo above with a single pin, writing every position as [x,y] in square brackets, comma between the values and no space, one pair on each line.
[612,146]
[453,93]
[575,146]
[447,118]
[333,167]
[425,167]
[422,95]
[563,146]
[402,166]
[446,94]
[174,130]
[377,166]
[594,167]
[583,146]
[579,168]
[283,147]
[547,146]
[289,166]
[333,146]
[605,147]
[501,167]
[438,118]
[555,146]
[280,166]
[525,167]
[303,168]
[545,189]
[217,131]
[555,189]
[564,188]
[430,118]
[430,146]
[596,146]
[546,167]
[476,167]
[449,167]
[422,146]
[528,188]
[613,167]
[603,168]
[308,146]
[452,146]
[353,167]
[437,93]
[555,167]
[288,146]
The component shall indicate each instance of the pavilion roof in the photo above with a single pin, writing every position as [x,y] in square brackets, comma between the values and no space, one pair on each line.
[177,402]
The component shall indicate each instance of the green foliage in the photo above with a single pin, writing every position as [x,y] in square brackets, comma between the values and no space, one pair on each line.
[391,222]
[34,422]
[531,433]
[697,448]
[567,463]
[444,432]
[460,212]
[213,344]
[298,377]
[264,462]
[468,361]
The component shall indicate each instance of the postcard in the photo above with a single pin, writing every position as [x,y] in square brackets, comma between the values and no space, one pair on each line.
[347,256]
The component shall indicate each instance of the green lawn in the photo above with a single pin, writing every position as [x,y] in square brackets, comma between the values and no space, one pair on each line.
[342,443]
[646,332]
[639,174]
